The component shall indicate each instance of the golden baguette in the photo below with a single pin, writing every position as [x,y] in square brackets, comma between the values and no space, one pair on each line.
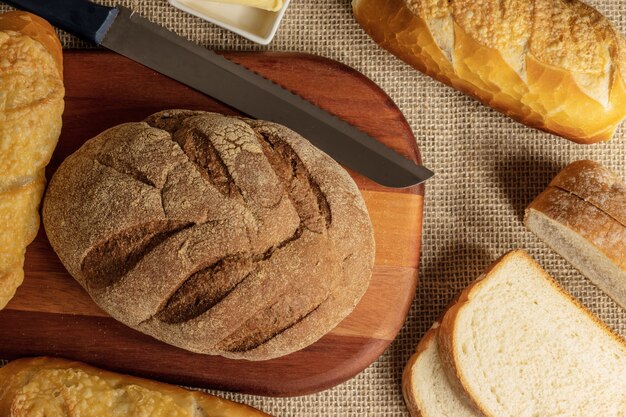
[31,105]
[555,65]
[62,388]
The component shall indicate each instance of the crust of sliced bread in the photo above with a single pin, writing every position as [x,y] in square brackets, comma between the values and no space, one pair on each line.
[447,329]
[585,219]
[585,207]
[446,348]
[595,184]
[591,247]
[413,401]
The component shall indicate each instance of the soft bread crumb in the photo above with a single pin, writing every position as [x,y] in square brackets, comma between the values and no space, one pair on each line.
[521,347]
[581,253]
[427,390]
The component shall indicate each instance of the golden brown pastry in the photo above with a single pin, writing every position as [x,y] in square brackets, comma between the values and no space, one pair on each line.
[216,234]
[554,65]
[50,387]
[31,104]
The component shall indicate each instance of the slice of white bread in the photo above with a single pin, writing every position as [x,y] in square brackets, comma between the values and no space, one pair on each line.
[427,391]
[517,345]
[582,216]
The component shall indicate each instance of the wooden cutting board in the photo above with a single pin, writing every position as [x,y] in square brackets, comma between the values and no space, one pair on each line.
[52,315]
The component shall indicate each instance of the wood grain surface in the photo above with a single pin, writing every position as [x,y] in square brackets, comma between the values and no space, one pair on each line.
[52,315]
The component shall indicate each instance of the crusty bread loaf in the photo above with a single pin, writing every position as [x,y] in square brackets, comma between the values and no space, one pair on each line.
[582,216]
[31,104]
[216,234]
[517,345]
[425,385]
[50,387]
[555,65]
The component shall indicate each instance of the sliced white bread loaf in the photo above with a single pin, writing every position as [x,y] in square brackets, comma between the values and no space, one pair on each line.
[427,391]
[517,345]
[582,216]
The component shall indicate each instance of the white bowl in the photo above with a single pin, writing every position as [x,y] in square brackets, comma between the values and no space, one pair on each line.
[255,24]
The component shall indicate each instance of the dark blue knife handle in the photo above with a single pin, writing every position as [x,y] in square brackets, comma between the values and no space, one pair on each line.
[81,18]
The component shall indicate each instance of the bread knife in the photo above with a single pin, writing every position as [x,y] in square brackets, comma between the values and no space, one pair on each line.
[127,33]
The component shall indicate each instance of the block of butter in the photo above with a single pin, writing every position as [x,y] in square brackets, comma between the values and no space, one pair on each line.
[271,5]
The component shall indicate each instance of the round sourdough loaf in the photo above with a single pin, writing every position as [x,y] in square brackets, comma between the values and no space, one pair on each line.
[217,234]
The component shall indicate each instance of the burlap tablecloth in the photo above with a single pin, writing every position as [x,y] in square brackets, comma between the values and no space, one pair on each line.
[488,169]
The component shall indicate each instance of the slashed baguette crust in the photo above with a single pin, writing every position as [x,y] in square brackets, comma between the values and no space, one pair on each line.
[573,383]
[62,388]
[31,104]
[555,65]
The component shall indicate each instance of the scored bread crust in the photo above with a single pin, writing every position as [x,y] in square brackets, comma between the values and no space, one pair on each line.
[447,329]
[37,29]
[599,229]
[31,87]
[28,386]
[556,66]
[586,201]
[216,234]
[583,235]
[595,184]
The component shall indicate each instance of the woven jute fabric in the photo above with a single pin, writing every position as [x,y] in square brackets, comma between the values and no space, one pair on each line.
[488,169]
